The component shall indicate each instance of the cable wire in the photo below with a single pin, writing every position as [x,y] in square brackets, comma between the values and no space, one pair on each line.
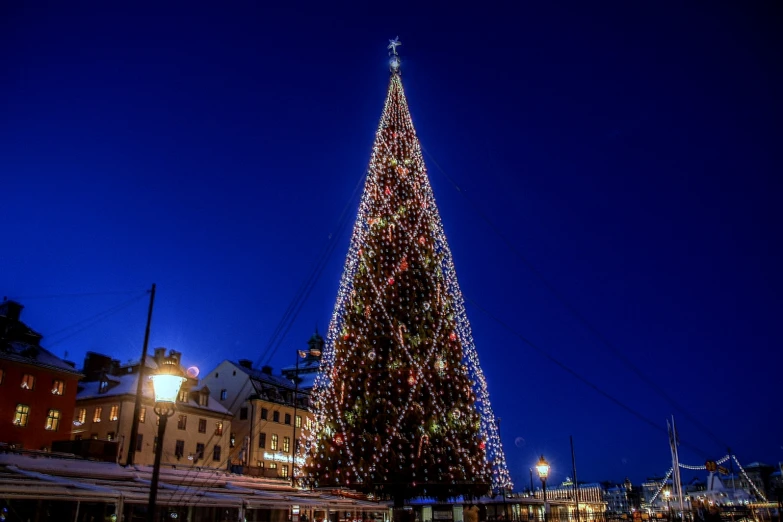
[574,312]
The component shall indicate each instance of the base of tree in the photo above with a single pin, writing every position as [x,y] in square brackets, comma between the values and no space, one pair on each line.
[403,514]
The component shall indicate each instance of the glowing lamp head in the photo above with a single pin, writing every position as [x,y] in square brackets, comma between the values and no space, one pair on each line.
[543,468]
[667,494]
[166,382]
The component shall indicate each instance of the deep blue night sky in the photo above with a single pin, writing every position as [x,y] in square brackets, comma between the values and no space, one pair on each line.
[629,152]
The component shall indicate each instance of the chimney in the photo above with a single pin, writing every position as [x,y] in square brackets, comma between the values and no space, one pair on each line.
[175,356]
[160,354]
[246,363]
[266,369]
[11,309]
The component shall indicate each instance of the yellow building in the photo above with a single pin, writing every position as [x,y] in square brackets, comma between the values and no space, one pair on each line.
[197,435]
[267,420]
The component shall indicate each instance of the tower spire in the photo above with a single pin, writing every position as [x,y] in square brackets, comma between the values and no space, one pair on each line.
[394,60]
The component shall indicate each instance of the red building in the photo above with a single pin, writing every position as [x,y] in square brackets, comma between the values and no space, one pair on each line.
[37,388]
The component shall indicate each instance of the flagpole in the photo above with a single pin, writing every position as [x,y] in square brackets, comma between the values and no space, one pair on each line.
[677,458]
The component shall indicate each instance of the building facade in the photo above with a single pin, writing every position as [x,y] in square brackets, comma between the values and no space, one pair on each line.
[271,412]
[198,434]
[37,388]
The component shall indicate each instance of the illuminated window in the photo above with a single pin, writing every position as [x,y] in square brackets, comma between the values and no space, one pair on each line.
[142,415]
[81,418]
[216,453]
[260,464]
[262,440]
[284,470]
[58,387]
[298,421]
[114,412]
[286,444]
[183,396]
[287,418]
[272,465]
[202,425]
[276,416]
[53,420]
[21,415]
[28,381]
[182,422]
[273,446]
[96,417]
[219,428]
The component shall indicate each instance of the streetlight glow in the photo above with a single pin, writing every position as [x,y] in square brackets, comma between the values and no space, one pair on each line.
[543,468]
[166,387]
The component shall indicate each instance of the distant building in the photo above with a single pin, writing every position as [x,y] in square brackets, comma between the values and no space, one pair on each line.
[618,498]
[197,435]
[37,388]
[268,419]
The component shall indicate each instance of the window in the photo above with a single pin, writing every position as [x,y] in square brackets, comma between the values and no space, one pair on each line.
[284,470]
[183,396]
[2,375]
[114,413]
[53,420]
[216,453]
[272,465]
[21,415]
[139,441]
[273,446]
[203,399]
[77,436]
[286,444]
[110,436]
[28,381]
[94,436]
[262,440]
[298,421]
[96,417]
[179,448]
[223,393]
[276,416]
[260,464]
[142,414]
[243,413]
[264,414]
[103,387]
[81,418]
[232,439]
[235,373]
[202,425]
[287,419]
[219,428]
[182,422]
[199,451]
[58,387]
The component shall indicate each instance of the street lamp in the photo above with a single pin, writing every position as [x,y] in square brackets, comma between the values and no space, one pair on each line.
[166,382]
[667,495]
[543,472]
[314,351]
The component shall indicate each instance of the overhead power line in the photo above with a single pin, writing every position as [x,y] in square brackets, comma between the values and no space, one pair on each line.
[575,313]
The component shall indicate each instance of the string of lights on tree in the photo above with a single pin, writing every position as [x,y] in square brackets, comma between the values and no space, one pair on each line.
[401,400]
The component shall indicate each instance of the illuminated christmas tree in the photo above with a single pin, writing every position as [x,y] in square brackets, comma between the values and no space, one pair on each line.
[401,404]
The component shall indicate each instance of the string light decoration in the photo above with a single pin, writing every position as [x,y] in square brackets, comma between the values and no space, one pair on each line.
[401,404]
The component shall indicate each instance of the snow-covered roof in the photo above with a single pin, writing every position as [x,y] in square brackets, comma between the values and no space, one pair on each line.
[263,377]
[127,386]
[35,355]
[28,477]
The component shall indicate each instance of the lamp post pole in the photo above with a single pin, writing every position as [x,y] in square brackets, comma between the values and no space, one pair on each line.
[166,382]
[164,418]
[543,472]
